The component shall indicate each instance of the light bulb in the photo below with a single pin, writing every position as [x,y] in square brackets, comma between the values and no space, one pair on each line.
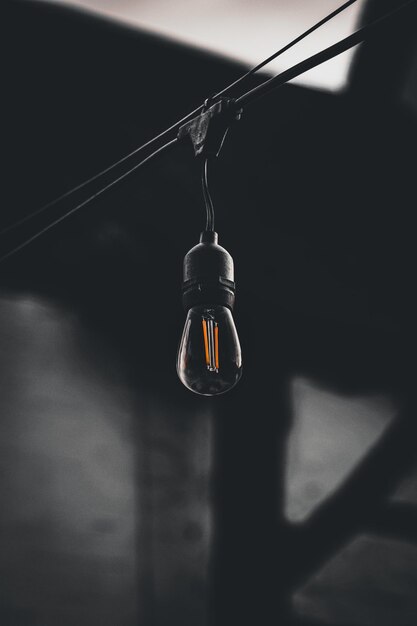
[209,360]
[209,356]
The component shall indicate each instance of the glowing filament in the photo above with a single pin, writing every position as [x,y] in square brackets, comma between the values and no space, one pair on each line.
[211,344]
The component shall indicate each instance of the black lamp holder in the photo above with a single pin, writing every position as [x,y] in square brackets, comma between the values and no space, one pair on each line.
[208,274]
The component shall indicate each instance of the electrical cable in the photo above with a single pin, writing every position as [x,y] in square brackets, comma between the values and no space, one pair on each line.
[89,199]
[247,98]
[325,55]
[207,198]
[98,175]
[176,125]
[287,46]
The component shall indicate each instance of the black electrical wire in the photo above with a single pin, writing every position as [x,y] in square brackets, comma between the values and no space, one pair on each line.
[325,55]
[73,190]
[247,98]
[175,126]
[287,47]
[207,198]
[89,199]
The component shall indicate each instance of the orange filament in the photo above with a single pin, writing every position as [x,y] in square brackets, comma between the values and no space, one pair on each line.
[206,344]
[216,345]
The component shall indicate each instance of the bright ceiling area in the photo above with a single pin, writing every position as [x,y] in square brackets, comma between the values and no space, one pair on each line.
[244,30]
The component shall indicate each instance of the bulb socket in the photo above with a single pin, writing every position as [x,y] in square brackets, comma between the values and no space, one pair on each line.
[208,274]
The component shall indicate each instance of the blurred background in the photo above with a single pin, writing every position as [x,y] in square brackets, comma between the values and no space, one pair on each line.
[243,30]
[127,500]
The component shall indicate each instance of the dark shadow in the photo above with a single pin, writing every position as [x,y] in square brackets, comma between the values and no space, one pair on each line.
[249,560]
[315,200]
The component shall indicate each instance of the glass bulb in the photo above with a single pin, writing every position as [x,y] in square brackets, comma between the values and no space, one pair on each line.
[209,356]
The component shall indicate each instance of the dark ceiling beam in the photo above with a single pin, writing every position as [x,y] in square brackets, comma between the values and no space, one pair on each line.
[397,520]
[360,504]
